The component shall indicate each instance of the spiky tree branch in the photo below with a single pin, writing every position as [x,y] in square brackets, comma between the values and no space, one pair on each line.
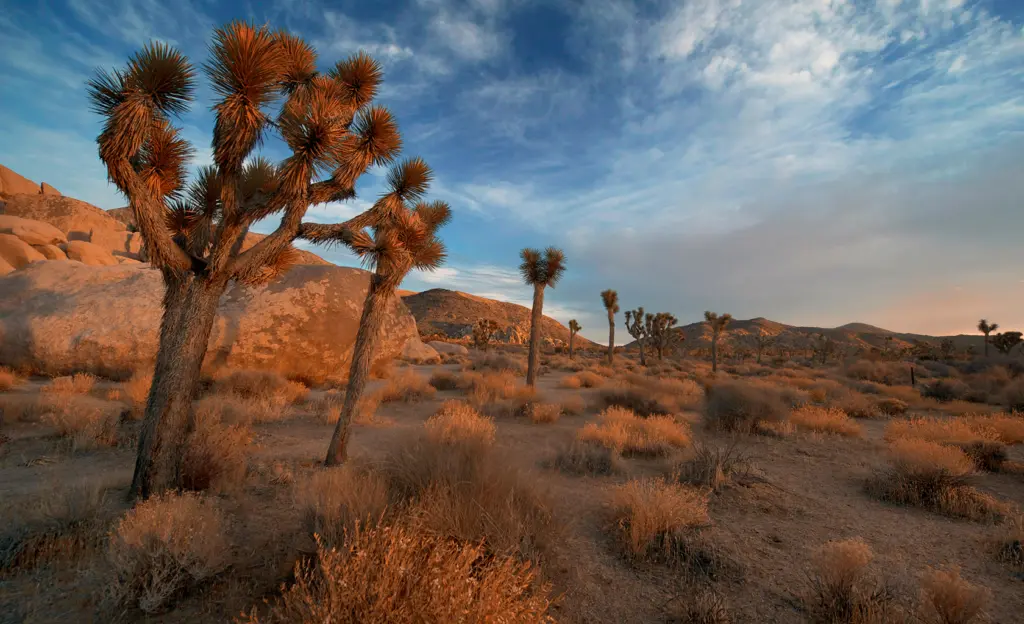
[718,323]
[483,332]
[637,328]
[660,327]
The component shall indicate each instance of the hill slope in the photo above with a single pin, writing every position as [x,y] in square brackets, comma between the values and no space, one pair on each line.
[453,314]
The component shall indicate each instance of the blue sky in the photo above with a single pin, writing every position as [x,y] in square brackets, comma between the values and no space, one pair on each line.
[812,161]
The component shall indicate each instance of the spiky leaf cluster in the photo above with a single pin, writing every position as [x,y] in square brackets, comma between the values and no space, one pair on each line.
[483,332]
[635,324]
[610,299]
[660,329]
[542,269]
[718,322]
[1005,342]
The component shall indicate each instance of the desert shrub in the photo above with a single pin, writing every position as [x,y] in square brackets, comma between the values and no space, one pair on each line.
[573,405]
[136,391]
[712,466]
[83,425]
[945,390]
[164,546]
[267,386]
[236,410]
[334,501]
[1012,396]
[472,493]
[382,369]
[457,422]
[1010,545]
[699,604]
[63,524]
[976,436]
[825,391]
[635,400]
[407,386]
[565,364]
[402,575]
[483,388]
[742,406]
[79,383]
[856,405]
[888,373]
[544,412]
[444,380]
[947,598]
[498,362]
[891,406]
[580,458]
[583,379]
[825,420]
[1008,428]
[842,590]
[8,379]
[653,515]
[601,370]
[622,430]
[930,475]
[215,456]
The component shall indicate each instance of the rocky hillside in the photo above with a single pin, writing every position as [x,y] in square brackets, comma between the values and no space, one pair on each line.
[452,313]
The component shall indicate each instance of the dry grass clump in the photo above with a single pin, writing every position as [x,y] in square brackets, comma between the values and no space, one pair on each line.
[444,380]
[458,423]
[164,546]
[136,391]
[635,400]
[267,386]
[842,590]
[1008,428]
[977,436]
[335,500]
[83,425]
[651,516]
[543,413]
[712,466]
[622,430]
[931,475]
[947,598]
[236,410]
[1012,396]
[891,406]
[825,420]
[888,373]
[580,458]
[573,405]
[563,363]
[583,379]
[79,383]
[483,388]
[402,575]
[743,407]
[945,390]
[8,379]
[499,363]
[1010,546]
[215,456]
[407,386]
[856,405]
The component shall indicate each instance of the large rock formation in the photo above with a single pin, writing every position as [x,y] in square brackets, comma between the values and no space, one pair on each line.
[59,317]
[11,183]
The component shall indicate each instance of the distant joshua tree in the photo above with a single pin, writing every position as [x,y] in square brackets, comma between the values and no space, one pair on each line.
[659,327]
[193,232]
[985,328]
[947,349]
[763,340]
[824,347]
[540,271]
[718,325]
[610,298]
[574,328]
[483,331]
[638,330]
[1006,341]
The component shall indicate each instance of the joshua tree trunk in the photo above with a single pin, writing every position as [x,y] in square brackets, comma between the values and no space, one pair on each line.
[611,337]
[714,354]
[643,357]
[191,307]
[759,349]
[374,309]
[986,345]
[538,314]
[572,337]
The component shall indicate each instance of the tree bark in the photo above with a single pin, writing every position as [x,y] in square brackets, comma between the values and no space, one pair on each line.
[190,307]
[643,358]
[374,309]
[986,345]
[572,336]
[535,318]
[714,353]
[611,337]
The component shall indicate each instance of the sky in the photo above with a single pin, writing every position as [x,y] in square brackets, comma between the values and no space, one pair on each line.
[815,162]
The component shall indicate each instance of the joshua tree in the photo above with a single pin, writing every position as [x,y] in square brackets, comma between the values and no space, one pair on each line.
[574,328]
[540,271]
[985,328]
[1006,341]
[403,239]
[483,331]
[947,349]
[659,327]
[194,233]
[610,298]
[718,324]
[763,340]
[637,328]
[823,347]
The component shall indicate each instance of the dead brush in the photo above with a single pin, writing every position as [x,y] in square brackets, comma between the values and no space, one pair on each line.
[1010,545]
[743,407]
[947,598]
[405,575]
[266,386]
[444,380]
[79,383]
[237,410]
[713,467]
[978,437]
[498,363]
[215,457]
[581,458]
[544,413]
[8,379]
[655,519]
[458,423]
[583,379]
[843,591]
[83,425]
[136,391]
[891,406]
[825,420]
[163,547]
[335,500]
[623,431]
[406,386]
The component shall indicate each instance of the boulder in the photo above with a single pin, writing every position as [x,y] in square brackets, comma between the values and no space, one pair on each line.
[88,253]
[448,348]
[31,231]
[46,189]
[5,267]
[416,351]
[51,252]
[77,219]
[17,252]
[61,317]
[11,183]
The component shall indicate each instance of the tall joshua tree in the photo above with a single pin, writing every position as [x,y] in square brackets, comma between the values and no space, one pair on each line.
[610,298]
[574,328]
[395,244]
[985,328]
[483,331]
[718,324]
[762,340]
[637,328]
[540,271]
[659,327]
[262,80]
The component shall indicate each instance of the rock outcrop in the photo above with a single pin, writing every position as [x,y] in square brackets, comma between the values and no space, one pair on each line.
[88,253]
[61,317]
[11,183]
[31,231]
[17,252]
[416,351]
[448,348]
